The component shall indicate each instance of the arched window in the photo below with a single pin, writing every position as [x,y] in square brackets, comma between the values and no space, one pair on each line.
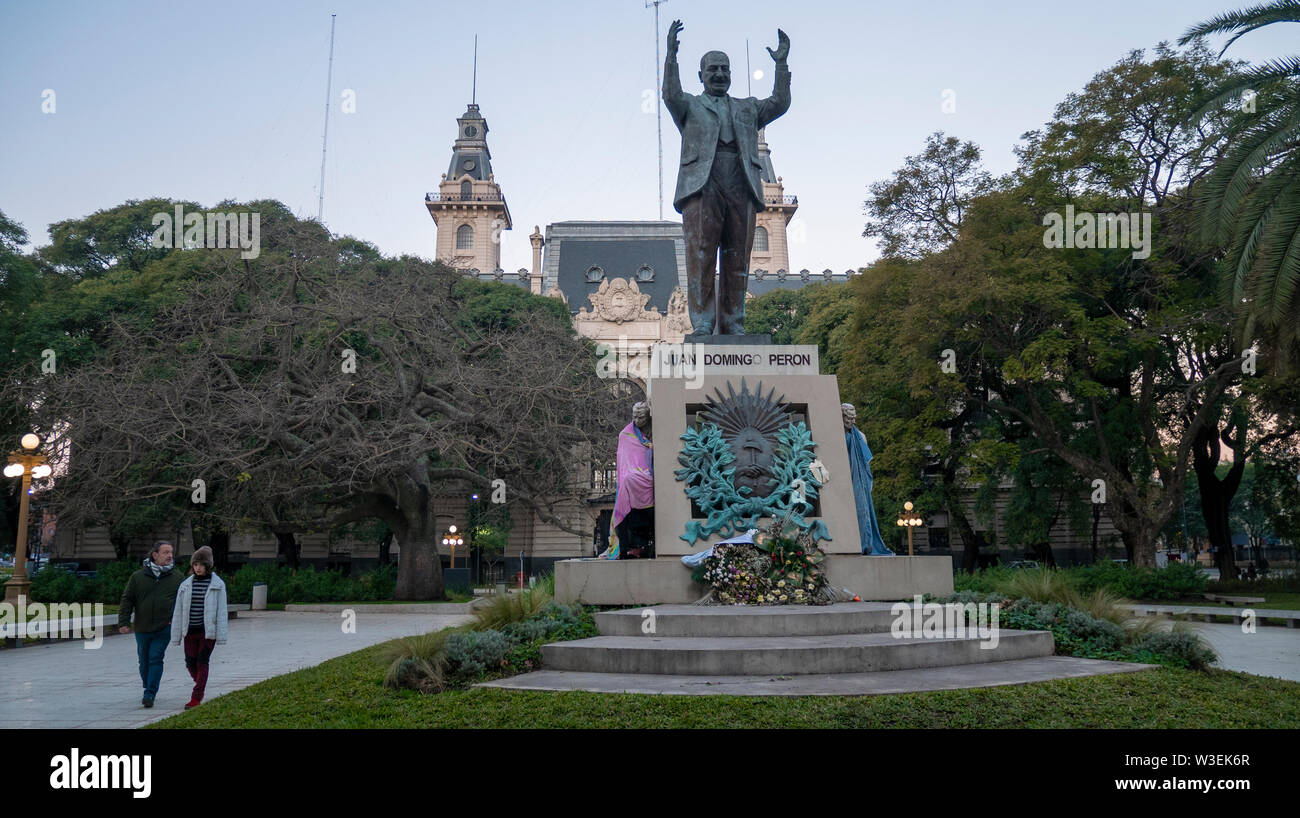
[466,190]
[760,239]
[464,237]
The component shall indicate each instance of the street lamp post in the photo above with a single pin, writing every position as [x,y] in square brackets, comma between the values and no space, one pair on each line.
[453,539]
[910,521]
[25,463]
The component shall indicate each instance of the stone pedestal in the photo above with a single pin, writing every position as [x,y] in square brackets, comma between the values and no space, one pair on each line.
[682,377]
[667,581]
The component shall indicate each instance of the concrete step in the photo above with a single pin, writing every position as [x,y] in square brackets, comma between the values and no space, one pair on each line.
[746,620]
[789,655]
[987,674]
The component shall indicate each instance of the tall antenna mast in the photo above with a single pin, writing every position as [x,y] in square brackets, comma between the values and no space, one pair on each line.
[324,140]
[659,114]
[473,89]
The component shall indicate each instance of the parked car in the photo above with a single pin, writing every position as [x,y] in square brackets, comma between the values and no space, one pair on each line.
[1028,565]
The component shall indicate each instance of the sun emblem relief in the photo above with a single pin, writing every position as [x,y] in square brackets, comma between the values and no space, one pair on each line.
[744,460]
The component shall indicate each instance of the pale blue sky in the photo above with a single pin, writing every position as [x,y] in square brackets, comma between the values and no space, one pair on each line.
[226,100]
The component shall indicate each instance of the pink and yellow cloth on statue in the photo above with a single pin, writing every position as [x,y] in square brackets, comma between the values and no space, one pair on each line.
[635,470]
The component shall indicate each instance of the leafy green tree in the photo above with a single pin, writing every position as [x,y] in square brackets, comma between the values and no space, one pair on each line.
[115,238]
[780,313]
[814,314]
[920,209]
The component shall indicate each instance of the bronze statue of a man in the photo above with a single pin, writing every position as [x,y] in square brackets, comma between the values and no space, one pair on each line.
[718,184]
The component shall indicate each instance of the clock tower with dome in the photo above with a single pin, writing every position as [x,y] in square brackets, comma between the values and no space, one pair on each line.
[468,207]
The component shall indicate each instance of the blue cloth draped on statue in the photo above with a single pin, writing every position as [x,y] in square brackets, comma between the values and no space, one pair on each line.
[860,468]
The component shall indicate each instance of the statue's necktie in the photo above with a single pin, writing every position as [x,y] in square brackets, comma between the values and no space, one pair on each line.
[723,107]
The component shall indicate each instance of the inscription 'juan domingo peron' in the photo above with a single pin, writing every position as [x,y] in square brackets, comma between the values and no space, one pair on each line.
[684,360]
[750,359]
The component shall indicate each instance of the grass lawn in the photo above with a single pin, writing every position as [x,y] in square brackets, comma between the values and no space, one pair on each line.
[346,693]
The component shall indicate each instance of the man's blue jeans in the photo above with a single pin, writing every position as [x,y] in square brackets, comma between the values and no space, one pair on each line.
[149,648]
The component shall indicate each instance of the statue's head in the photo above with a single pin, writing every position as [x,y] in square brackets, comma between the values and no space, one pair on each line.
[850,415]
[641,414]
[715,73]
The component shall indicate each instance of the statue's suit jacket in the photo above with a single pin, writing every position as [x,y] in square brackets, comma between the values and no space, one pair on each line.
[699,123]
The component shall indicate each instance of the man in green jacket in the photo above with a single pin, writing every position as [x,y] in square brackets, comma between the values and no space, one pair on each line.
[151,594]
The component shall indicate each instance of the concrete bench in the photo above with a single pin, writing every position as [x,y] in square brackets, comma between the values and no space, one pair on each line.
[1234,600]
[1208,614]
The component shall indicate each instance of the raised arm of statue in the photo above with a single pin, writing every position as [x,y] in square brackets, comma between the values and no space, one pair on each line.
[674,99]
[777,104]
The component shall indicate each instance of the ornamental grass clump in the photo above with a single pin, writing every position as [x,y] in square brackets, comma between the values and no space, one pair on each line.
[457,657]
[1042,585]
[502,609]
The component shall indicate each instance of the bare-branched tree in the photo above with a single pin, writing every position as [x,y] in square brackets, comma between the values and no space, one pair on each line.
[322,383]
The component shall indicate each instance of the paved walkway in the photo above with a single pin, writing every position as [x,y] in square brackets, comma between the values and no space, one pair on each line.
[1269,651]
[63,685]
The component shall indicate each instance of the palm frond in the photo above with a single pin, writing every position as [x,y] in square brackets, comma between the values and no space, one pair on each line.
[1240,167]
[1279,266]
[1244,21]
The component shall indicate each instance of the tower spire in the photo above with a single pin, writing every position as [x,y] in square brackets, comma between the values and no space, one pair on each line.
[468,206]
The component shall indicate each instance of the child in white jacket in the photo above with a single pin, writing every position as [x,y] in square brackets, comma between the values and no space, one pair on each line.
[202,617]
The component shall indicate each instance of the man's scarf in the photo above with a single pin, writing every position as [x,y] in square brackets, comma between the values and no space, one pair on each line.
[158,570]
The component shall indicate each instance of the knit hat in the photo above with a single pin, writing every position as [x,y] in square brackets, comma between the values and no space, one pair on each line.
[202,556]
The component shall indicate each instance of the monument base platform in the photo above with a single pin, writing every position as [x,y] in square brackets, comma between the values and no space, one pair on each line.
[667,581]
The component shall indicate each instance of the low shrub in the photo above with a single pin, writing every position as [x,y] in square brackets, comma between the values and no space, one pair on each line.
[1174,581]
[470,653]
[111,580]
[984,580]
[460,656]
[1181,645]
[964,597]
[459,588]
[1099,634]
[1078,633]
[284,585]
[527,631]
[1288,584]
[1072,585]
[278,578]
[52,584]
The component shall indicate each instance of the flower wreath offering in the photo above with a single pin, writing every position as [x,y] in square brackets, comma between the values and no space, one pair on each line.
[783,566]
